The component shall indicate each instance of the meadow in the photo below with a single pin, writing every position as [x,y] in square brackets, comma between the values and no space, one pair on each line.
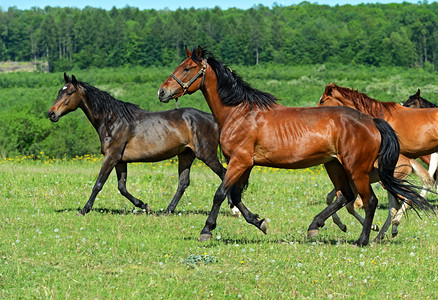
[115,251]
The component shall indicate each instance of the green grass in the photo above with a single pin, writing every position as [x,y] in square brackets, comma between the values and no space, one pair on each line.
[46,251]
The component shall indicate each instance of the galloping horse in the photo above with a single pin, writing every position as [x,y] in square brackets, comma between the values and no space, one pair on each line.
[256,130]
[130,134]
[416,101]
[415,128]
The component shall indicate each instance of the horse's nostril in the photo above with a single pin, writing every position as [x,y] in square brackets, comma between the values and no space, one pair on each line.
[161,92]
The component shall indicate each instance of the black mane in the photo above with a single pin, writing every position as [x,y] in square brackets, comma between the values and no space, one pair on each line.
[232,89]
[105,104]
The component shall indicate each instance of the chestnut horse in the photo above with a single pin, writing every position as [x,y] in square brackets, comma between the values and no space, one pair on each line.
[130,134]
[416,101]
[415,128]
[256,130]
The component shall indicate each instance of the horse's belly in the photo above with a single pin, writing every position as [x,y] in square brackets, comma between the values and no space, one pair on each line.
[148,153]
[290,160]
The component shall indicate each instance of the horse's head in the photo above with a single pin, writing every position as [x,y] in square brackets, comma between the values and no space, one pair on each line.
[69,98]
[187,78]
[414,101]
[331,96]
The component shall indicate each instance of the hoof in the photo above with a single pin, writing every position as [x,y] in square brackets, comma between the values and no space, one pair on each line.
[80,214]
[378,238]
[205,237]
[360,243]
[312,233]
[148,208]
[264,226]
[343,228]
[394,234]
[374,227]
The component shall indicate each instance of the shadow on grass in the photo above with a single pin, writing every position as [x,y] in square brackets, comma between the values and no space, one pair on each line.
[141,212]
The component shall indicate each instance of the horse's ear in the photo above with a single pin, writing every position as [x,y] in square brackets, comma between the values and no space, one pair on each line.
[188,53]
[328,89]
[67,80]
[199,51]
[418,93]
[73,80]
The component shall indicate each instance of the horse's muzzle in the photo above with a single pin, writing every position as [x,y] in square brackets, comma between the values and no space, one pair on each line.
[164,96]
[52,116]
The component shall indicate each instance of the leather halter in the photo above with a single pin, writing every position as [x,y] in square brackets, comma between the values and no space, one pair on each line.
[186,86]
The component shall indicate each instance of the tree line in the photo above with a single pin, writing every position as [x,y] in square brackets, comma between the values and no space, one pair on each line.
[368,34]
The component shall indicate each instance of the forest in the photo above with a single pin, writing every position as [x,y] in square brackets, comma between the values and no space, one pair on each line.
[372,34]
[387,51]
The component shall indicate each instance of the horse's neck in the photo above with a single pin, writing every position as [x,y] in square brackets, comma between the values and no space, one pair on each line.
[220,111]
[378,109]
[95,119]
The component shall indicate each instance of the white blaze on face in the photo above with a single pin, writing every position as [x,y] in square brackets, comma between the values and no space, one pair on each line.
[64,87]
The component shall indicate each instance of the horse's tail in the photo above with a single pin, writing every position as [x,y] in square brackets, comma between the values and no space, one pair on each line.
[389,151]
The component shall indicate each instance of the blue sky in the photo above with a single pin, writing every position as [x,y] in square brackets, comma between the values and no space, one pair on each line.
[172,4]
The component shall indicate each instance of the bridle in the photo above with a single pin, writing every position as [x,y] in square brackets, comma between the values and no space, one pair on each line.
[185,86]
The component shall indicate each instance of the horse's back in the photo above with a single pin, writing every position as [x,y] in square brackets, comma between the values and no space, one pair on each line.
[163,134]
[317,134]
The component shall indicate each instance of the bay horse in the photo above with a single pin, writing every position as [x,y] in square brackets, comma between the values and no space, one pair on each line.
[256,130]
[130,134]
[415,128]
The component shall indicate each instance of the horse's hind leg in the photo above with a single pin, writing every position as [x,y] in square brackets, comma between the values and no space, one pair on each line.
[344,193]
[335,217]
[122,173]
[185,160]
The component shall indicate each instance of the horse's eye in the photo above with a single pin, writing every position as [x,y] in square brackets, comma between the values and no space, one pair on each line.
[186,69]
[69,93]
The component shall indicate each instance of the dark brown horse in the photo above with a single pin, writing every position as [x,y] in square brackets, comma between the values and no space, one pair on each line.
[256,130]
[130,134]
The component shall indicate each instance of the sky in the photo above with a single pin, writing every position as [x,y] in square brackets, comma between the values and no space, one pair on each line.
[173,5]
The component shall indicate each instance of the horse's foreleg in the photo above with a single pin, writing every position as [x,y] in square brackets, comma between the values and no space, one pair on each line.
[107,166]
[210,224]
[335,217]
[122,173]
[235,179]
[392,204]
[426,177]
[185,161]
[213,163]
[433,165]
[396,219]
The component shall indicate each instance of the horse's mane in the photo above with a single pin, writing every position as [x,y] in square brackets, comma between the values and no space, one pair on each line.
[426,104]
[363,102]
[232,89]
[104,103]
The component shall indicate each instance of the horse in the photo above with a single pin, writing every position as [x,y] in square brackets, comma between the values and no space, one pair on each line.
[256,130]
[415,128]
[129,134]
[416,101]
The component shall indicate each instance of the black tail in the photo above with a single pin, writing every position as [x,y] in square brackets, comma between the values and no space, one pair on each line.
[389,152]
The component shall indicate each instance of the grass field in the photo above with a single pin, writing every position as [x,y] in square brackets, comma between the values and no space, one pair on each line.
[46,251]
